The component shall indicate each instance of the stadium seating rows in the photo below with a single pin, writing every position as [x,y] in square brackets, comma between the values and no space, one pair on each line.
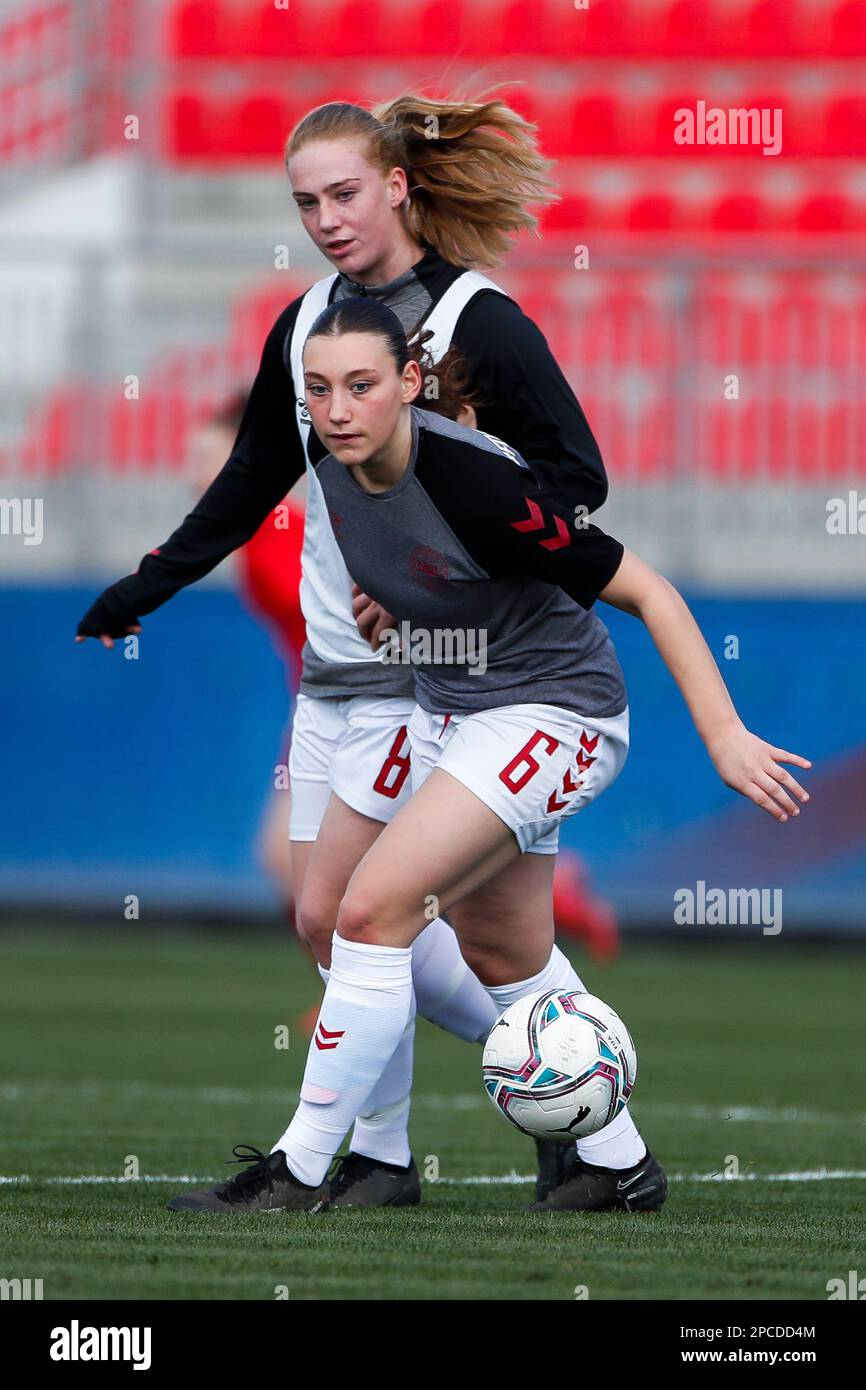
[49,36]
[709,212]
[208,125]
[772,438]
[44,33]
[798,345]
[493,28]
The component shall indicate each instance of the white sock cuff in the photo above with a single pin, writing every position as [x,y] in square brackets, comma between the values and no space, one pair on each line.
[558,973]
[360,963]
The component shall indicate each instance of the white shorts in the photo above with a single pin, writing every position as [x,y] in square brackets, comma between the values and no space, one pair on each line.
[531,764]
[358,748]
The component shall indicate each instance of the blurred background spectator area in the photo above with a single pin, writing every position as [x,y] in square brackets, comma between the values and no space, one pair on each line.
[714,327]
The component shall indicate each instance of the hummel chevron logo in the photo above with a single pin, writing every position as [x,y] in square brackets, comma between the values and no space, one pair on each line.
[589,743]
[323,1037]
[536,521]
[568,786]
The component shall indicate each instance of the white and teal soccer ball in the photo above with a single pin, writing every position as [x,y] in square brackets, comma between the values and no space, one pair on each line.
[559,1065]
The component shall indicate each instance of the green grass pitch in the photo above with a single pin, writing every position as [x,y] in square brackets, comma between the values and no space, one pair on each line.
[160,1046]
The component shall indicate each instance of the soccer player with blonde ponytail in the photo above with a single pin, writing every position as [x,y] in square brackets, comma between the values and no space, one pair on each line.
[411,203]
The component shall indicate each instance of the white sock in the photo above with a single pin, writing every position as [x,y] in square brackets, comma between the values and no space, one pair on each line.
[446,991]
[448,994]
[619,1144]
[382,1130]
[558,973]
[363,1017]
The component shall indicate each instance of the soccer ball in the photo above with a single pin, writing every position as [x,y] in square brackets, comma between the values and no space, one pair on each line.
[559,1065]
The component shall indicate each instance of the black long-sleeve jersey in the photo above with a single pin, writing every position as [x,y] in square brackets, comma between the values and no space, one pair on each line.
[466,542]
[532,407]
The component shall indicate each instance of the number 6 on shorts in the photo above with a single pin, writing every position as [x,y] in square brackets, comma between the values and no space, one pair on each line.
[507,777]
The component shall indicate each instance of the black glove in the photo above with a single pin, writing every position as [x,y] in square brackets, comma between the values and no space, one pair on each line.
[114,612]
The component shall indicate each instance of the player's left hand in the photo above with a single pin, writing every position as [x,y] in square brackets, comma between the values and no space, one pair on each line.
[371,617]
[750,766]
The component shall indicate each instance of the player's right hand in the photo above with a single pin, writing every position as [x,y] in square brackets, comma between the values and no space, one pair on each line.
[108,618]
[107,642]
[372,619]
[752,767]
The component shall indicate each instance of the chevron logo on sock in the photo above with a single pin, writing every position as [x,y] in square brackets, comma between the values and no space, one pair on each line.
[324,1039]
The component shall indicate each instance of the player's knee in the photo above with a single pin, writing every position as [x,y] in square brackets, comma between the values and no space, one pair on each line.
[363,917]
[316,918]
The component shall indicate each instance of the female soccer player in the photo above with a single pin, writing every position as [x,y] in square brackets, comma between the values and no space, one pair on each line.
[401,201]
[498,757]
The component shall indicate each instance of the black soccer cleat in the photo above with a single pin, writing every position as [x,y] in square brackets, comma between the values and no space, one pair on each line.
[587,1187]
[359,1181]
[553,1165]
[266,1185]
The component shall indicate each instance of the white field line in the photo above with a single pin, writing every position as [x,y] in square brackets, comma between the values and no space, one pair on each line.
[226,1095]
[482,1180]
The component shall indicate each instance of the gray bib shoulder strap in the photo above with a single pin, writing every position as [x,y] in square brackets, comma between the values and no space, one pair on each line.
[312,304]
[444,315]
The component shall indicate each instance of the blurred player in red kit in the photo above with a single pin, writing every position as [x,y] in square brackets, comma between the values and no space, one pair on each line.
[269,574]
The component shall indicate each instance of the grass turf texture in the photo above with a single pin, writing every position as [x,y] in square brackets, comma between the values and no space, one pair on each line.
[161,1045]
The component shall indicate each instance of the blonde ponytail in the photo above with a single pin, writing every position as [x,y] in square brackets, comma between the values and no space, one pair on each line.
[474,168]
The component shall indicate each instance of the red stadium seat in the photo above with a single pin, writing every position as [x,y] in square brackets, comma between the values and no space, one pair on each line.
[434,28]
[771,29]
[845,130]
[730,327]
[527,101]
[793,122]
[629,327]
[827,212]
[608,422]
[58,428]
[794,333]
[848,30]
[591,124]
[740,212]
[260,126]
[656,437]
[196,30]
[727,438]
[573,213]
[191,128]
[605,28]
[688,29]
[521,27]
[655,135]
[368,28]
[261,30]
[652,212]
